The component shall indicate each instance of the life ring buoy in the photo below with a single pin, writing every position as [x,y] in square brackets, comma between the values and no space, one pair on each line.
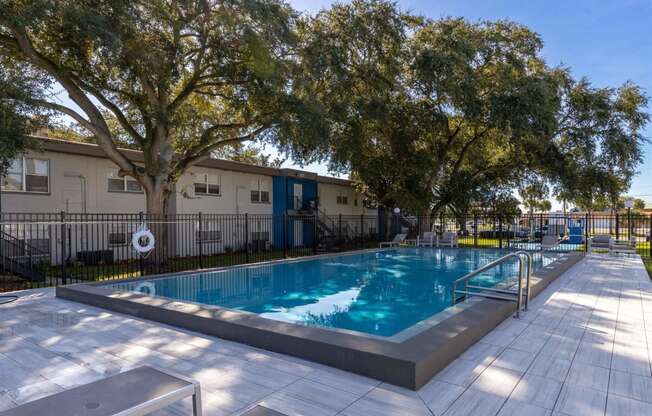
[147,288]
[140,236]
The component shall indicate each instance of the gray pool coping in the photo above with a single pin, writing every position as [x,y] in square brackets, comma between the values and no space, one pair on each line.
[409,363]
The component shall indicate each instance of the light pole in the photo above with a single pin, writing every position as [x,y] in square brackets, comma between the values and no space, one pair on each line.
[397,221]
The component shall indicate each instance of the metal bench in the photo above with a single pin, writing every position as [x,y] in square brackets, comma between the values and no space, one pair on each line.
[133,393]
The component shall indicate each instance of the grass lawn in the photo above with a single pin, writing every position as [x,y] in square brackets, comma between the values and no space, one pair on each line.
[131,268]
[648,266]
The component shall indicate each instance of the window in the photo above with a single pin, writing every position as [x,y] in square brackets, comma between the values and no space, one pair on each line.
[260,191]
[209,235]
[123,184]
[257,236]
[355,202]
[118,239]
[206,184]
[209,232]
[342,199]
[28,175]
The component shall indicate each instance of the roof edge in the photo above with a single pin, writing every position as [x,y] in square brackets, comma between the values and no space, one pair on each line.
[93,150]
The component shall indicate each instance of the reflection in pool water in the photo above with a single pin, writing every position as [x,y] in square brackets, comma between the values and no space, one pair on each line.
[380,293]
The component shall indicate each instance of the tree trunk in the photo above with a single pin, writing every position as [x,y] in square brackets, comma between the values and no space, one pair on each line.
[157,201]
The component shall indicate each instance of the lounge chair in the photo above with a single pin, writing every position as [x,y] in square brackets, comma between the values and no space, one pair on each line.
[624,247]
[448,239]
[136,392]
[549,242]
[600,242]
[397,241]
[428,239]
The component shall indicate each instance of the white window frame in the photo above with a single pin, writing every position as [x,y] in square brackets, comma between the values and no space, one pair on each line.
[125,180]
[120,244]
[23,184]
[259,192]
[208,227]
[206,183]
[342,198]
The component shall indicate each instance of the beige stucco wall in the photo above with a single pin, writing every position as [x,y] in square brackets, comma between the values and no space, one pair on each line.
[234,198]
[328,200]
[66,191]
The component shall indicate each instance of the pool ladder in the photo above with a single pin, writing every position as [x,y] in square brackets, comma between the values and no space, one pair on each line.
[524,273]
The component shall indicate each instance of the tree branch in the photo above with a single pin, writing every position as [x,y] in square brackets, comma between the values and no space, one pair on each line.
[465,149]
[122,119]
[204,152]
[66,110]
[96,122]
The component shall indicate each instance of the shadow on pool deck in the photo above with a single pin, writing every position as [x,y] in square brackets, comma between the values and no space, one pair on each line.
[410,363]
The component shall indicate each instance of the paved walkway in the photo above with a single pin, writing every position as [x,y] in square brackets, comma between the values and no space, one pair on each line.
[582,349]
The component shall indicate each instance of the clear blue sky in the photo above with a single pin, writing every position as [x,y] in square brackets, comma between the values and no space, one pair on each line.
[609,41]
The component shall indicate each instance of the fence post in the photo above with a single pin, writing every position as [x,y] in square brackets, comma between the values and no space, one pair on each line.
[200,238]
[541,225]
[339,232]
[500,232]
[285,235]
[629,223]
[441,221]
[246,237]
[586,233]
[617,227]
[64,236]
[361,230]
[314,234]
[649,238]
[141,260]
[475,229]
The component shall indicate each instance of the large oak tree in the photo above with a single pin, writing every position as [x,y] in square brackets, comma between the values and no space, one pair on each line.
[175,79]
[426,113]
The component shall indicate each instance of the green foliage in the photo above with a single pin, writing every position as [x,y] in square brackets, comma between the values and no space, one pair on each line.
[251,155]
[533,195]
[427,113]
[177,80]
[600,140]
[17,120]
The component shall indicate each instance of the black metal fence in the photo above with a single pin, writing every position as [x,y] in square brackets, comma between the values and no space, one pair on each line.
[38,250]
[51,249]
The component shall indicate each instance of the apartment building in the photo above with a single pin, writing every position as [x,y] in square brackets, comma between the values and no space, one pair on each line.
[77,178]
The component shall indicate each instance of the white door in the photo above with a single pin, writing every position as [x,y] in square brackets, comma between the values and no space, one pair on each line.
[298,195]
[242,199]
[72,193]
[298,231]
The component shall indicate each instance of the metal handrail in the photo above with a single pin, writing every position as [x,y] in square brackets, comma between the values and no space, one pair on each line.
[521,275]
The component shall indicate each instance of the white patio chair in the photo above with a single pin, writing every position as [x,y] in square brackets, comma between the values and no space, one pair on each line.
[397,241]
[448,239]
[624,247]
[600,242]
[427,239]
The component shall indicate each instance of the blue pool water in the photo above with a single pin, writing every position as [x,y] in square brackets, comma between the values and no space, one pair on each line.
[379,293]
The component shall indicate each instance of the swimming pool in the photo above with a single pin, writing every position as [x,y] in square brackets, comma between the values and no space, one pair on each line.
[379,292]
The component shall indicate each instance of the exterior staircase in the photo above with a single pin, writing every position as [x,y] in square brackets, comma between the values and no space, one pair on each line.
[411,223]
[19,258]
[328,231]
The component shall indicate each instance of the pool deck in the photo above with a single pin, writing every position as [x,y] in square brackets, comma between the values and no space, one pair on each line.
[581,349]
